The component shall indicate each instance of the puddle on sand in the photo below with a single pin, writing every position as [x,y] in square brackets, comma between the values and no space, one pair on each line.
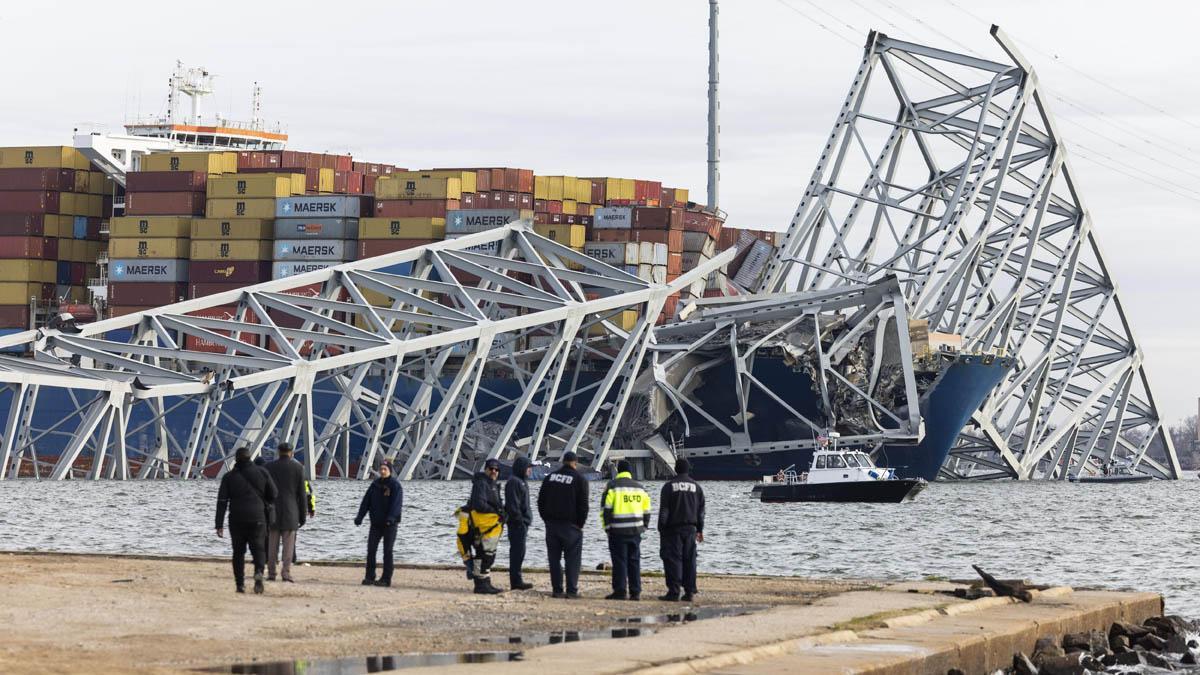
[617,632]
[359,664]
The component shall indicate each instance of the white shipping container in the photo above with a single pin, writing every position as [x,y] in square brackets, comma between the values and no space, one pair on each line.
[283,270]
[692,259]
[645,272]
[651,253]
[658,274]
[469,221]
[313,249]
[752,267]
[612,252]
[613,218]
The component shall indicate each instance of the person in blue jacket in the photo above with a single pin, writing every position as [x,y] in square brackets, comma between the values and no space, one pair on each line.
[383,501]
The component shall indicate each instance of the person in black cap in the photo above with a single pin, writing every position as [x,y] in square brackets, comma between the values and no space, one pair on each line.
[481,523]
[518,516]
[384,501]
[563,505]
[246,491]
[625,514]
[680,528]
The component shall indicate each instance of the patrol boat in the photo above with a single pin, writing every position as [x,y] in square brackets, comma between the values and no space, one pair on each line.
[837,475]
[1112,472]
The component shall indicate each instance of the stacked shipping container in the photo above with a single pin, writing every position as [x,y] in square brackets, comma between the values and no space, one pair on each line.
[51,205]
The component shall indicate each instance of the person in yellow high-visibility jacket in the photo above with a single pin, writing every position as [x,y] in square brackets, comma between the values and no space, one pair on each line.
[625,513]
[480,524]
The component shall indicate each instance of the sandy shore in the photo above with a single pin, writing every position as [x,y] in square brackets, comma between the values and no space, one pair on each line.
[68,613]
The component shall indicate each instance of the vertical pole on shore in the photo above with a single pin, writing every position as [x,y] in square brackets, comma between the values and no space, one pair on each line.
[714,153]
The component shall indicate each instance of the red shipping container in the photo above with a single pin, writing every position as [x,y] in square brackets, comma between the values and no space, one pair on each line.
[200,290]
[541,218]
[524,201]
[78,274]
[343,163]
[143,294]
[312,180]
[327,161]
[599,188]
[369,184]
[45,248]
[25,201]
[22,224]
[495,200]
[107,202]
[121,310]
[14,316]
[674,263]
[468,200]
[524,181]
[663,218]
[553,206]
[483,180]
[94,225]
[166,181]
[271,160]
[229,271]
[312,160]
[251,160]
[586,220]
[340,184]
[354,182]
[512,200]
[369,248]
[58,180]
[164,204]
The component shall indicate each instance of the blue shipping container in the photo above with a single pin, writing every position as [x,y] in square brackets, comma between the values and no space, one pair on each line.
[79,230]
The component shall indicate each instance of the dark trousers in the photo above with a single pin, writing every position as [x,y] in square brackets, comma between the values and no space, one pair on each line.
[254,537]
[517,532]
[626,552]
[564,541]
[678,547]
[388,535]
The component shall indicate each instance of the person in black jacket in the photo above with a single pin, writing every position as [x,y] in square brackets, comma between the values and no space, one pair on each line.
[291,511]
[680,528]
[384,502]
[245,492]
[563,505]
[484,520]
[519,517]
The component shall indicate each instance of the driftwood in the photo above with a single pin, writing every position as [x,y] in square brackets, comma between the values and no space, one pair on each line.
[1006,589]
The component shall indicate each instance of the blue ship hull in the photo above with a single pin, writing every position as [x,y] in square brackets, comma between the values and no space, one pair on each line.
[945,407]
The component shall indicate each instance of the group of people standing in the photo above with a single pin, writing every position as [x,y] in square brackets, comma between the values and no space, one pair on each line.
[563,505]
[268,504]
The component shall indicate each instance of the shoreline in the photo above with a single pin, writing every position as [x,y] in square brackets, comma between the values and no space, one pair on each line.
[150,614]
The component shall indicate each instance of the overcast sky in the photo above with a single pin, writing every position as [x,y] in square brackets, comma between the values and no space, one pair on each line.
[618,88]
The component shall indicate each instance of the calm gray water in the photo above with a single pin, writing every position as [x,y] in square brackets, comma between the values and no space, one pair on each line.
[1117,536]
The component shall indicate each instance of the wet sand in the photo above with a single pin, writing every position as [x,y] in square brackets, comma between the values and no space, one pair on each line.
[101,614]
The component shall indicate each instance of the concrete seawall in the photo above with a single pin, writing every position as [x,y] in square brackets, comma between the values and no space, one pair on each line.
[115,614]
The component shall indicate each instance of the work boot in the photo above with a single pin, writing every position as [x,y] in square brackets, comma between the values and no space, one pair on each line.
[368,582]
[258,583]
[635,597]
[687,597]
[241,588]
[270,577]
[671,596]
[572,595]
[558,594]
[483,586]
[384,582]
[521,586]
[615,595]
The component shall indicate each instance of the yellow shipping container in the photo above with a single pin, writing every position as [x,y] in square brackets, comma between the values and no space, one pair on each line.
[240,208]
[583,191]
[681,195]
[569,206]
[81,181]
[91,252]
[252,186]
[401,228]
[149,226]
[159,247]
[625,320]
[19,293]
[619,188]
[96,183]
[78,204]
[58,226]
[231,250]
[468,179]
[232,228]
[567,235]
[325,180]
[207,162]
[42,157]
[388,187]
[29,271]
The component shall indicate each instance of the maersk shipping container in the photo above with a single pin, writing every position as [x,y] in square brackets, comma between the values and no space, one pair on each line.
[348,206]
[479,220]
[171,270]
[290,268]
[313,249]
[613,218]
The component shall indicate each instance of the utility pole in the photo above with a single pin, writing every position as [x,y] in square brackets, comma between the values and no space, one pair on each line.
[714,153]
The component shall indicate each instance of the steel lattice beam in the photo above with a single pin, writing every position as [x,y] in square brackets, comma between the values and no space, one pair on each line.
[390,354]
[947,171]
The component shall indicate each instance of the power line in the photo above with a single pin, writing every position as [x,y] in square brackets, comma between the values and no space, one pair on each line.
[820,25]
[1108,165]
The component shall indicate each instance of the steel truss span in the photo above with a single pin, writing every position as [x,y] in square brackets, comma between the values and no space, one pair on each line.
[434,358]
[947,171]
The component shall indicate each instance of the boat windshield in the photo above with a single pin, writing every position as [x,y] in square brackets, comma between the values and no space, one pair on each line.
[820,464]
[864,460]
[852,460]
[836,462]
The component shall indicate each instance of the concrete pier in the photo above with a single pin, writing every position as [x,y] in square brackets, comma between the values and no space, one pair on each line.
[116,614]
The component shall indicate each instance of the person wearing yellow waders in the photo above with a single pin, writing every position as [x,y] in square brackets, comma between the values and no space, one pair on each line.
[625,513]
[480,524]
